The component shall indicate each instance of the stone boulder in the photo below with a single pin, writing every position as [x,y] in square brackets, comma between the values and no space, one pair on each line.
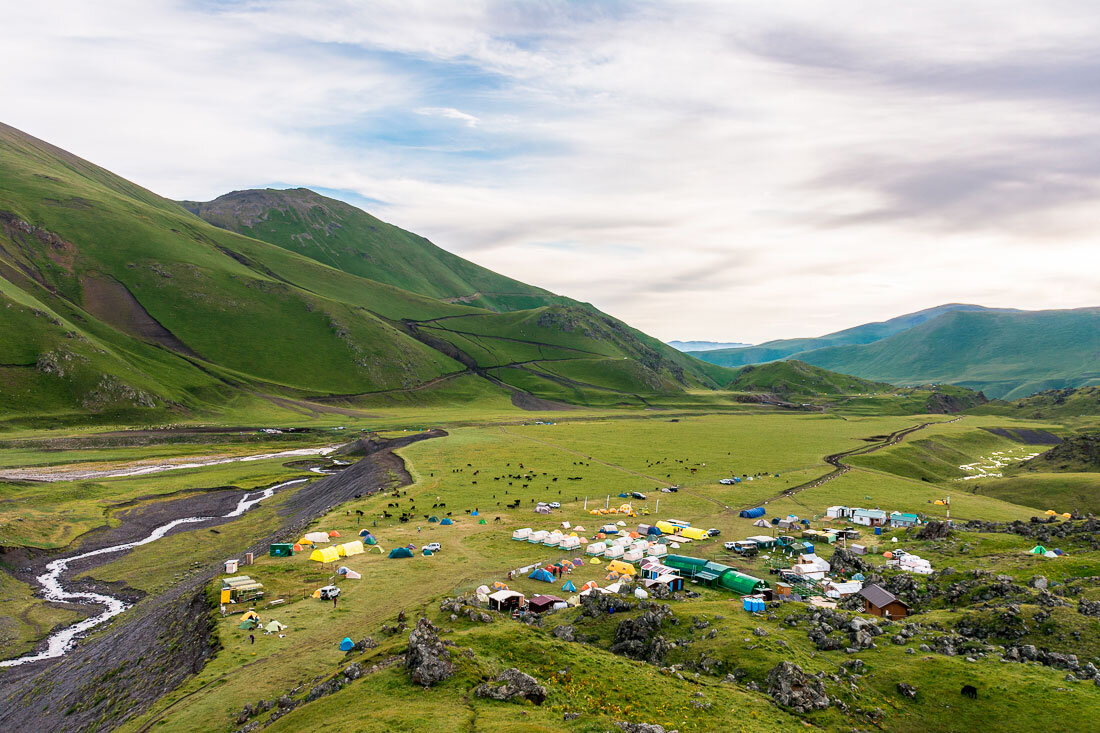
[512,685]
[792,688]
[427,660]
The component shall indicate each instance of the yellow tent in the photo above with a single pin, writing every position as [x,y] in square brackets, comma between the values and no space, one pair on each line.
[693,533]
[304,541]
[324,554]
[622,568]
[595,561]
[1067,515]
[350,548]
[1051,512]
[665,527]
[249,614]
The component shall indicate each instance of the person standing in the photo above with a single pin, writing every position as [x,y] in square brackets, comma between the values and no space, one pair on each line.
[334,599]
[251,638]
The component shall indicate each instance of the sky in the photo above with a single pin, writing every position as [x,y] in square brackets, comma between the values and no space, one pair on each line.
[732,171]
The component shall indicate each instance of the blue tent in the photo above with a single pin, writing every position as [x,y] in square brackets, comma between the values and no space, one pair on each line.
[653,531]
[427,552]
[858,576]
[364,532]
[752,513]
[624,496]
[446,520]
[806,522]
[433,519]
[474,513]
[569,586]
[399,552]
[347,645]
[542,574]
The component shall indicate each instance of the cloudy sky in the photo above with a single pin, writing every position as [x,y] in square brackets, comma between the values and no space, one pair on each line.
[723,170]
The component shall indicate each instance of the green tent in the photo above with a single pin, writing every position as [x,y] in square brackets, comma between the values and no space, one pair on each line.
[281,549]
[400,552]
[1038,550]
[370,540]
[248,623]
[481,521]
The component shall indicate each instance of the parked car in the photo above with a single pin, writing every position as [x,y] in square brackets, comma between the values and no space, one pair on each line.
[555,505]
[637,494]
[726,481]
[712,532]
[673,488]
[666,491]
[329,592]
[433,547]
[730,545]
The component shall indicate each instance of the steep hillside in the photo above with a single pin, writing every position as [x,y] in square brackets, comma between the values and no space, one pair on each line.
[864,334]
[1050,404]
[113,299]
[688,346]
[797,378]
[349,239]
[1004,354]
[1075,454]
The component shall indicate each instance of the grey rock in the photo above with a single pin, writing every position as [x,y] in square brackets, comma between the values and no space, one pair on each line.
[512,685]
[427,659]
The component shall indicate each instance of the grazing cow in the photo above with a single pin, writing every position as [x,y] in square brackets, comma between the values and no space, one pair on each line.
[448,514]
[969,691]
[359,512]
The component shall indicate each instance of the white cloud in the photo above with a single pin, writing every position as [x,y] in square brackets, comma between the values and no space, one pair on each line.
[741,171]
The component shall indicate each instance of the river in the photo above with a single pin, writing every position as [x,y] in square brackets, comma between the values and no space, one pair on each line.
[62,641]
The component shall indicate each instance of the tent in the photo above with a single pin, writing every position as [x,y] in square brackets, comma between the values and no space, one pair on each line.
[761,523]
[1038,550]
[334,533]
[350,548]
[569,587]
[482,521]
[352,575]
[522,534]
[653,532]
[595,561]
[753,513]
[694,533]
[640,594]
[433,519]
[612,575]
[621,567]
[297,547]
[304,541]
[483,590]
[347,645]
[248,623]
[446,521]
[274,627]
[499,586]
[474,513]
[324,554]
[250,615]
[399,552]
[541,574]
[427,552]
[316,537]
[280,549]
[364,533]
[370,540]
[1058,552]
[375,547]
[343,570]
[589,585]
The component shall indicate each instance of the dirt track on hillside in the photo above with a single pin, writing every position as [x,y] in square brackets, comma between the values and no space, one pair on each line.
[151,649]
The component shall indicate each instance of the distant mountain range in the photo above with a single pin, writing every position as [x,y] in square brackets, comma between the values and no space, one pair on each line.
[704,345]
[1003,352]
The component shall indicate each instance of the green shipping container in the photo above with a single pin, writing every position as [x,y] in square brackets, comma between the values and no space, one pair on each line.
[281,550]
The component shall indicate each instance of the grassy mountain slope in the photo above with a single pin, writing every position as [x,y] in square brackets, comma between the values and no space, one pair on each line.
[1004,354]
[863,334]
[114,299]
[1075,454]
[349,239]
[798,378]
[1050,404]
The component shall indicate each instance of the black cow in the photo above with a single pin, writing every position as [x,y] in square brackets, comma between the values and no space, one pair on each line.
[969,691]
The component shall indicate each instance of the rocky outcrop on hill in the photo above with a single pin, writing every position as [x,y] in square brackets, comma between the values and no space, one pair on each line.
[846,562]
[640,637]
[427,660]
[934,530]
[512,685]
[792,688]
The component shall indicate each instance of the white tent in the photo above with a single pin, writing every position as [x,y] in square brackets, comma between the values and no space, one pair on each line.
[537,537]
[521,534]
[553,539]
[633,555]
[640,594]
[596,548]
[352,575]
[613,552]
[569,543]
[657,551]
[316,537]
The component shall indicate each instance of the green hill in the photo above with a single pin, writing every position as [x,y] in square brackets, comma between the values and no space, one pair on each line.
[864,334]
[1004,354]
[1075,454]
[349,239]
[115,300]
[797,378]
[1050,404]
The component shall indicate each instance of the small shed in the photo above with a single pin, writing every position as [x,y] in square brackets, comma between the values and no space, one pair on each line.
[541,604]
[858,549]
[878,601]
[505,600]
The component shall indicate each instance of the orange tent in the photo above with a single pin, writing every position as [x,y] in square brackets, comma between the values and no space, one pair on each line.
[334,533]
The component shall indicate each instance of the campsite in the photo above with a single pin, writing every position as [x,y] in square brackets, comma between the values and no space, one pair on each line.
[397,581]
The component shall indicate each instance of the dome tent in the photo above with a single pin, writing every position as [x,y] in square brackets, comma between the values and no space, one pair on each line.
[399,552]
[347,645]
[446,521]
[569,587]
[541,574]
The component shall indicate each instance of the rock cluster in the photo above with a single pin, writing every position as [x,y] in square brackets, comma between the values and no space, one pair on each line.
[427,660]
[640,637]
[790,687]
[512,685]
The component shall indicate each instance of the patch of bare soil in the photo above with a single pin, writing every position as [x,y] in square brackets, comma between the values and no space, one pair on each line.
[111,302]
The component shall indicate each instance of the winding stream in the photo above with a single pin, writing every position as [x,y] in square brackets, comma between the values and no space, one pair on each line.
[62,641]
